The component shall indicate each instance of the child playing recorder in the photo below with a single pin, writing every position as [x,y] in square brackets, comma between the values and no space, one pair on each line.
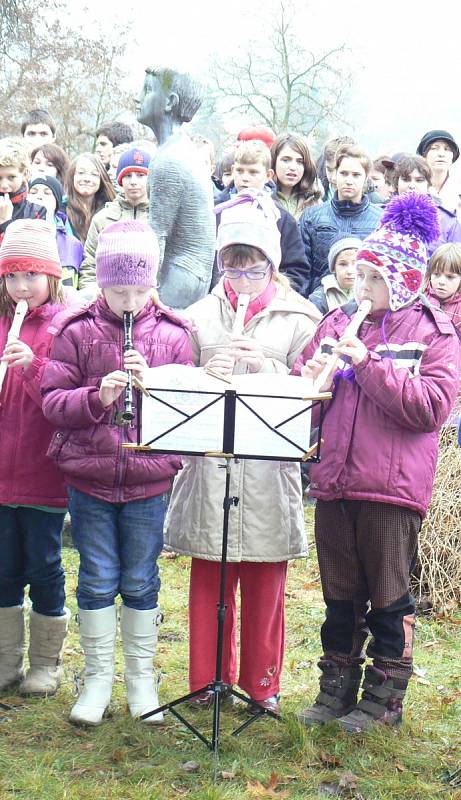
[115,496]
[398,381]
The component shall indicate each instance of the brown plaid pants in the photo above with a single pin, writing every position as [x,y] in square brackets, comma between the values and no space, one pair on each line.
[366,551]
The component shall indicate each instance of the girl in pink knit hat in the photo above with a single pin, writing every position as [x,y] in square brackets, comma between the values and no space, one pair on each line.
[115,496]
[32,494]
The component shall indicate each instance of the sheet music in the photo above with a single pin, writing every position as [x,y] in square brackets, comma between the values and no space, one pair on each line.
[204,433]
[200,434]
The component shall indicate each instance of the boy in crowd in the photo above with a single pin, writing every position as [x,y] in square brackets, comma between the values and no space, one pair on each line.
[380,178]
[252,170]
[14,174]
[38,127]
[413,174]
[206,150]
[350,213]
[131,203]
[224,168]
[337,288]
[109,136]
[326,164]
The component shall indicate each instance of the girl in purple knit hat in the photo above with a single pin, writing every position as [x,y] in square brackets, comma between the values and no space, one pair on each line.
[115,497]
[396,384]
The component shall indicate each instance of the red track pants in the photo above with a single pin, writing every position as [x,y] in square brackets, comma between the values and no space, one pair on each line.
[262,625]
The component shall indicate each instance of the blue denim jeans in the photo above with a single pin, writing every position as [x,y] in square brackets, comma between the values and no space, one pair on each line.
[30,553]
[119,544]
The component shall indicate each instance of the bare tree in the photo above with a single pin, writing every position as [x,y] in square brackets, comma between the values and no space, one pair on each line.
[280,83]
[45,63]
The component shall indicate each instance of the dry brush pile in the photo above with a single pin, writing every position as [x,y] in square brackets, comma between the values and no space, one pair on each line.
[438,575]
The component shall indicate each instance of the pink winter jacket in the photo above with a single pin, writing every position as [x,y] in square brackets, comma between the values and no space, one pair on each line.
[381,428]
[452,307]
[87,443]
[27,476]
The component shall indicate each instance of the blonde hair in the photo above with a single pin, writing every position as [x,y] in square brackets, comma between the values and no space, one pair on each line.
[447,258]
[353,151]
[14,153]
[253,152]
[56,295]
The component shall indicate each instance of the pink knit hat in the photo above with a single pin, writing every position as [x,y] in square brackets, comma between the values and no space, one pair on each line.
[127,255]
[250,217]
[29,245]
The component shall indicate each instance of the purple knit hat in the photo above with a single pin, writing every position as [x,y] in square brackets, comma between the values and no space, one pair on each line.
[397,249]
[127,255]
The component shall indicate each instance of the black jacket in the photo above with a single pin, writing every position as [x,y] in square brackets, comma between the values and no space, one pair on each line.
[22,209]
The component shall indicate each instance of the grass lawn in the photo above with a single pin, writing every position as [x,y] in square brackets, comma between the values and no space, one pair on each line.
[42,756]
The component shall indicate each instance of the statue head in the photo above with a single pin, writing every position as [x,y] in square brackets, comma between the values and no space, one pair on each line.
[168,93]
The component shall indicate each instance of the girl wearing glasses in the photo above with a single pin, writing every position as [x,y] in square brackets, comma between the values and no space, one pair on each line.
[267,529]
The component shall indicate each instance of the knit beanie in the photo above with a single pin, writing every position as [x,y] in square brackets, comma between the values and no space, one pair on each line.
[127,254]
[132,161]
[53,184]
[434,136]
[340,244]
[397,249]
[29,245]
[250,217]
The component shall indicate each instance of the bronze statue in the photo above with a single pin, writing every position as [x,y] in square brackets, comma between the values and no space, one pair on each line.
[181,202]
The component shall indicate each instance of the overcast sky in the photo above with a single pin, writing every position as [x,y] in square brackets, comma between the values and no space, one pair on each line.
[405,53]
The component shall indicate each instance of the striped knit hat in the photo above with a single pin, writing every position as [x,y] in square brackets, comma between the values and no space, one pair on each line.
[29,245]
[398,248]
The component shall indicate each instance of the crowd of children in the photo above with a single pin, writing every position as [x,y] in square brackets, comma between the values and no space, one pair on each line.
[307,243]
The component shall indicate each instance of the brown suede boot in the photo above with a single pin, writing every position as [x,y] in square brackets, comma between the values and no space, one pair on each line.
[380,704]
[339,686]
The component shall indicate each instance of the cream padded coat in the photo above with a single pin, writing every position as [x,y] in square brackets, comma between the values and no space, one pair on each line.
[268,523]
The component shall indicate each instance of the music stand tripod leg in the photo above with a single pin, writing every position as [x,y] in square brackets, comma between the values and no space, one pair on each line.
[216,686]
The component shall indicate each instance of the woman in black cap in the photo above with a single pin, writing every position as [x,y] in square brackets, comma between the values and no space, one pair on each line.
[441,151]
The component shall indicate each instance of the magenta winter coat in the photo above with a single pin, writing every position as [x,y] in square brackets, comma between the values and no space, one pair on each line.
[27,476]
[87,443]
[451,307]
[381,430]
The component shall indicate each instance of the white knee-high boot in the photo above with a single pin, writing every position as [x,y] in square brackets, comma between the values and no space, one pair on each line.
[97,637]
[47,636]
[139,631]
[11,646]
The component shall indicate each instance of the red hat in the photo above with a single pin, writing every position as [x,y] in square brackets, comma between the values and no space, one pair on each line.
[29,245]
[258,132]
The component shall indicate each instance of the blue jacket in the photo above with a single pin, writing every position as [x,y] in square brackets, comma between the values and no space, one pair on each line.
[320,225]
[293,263]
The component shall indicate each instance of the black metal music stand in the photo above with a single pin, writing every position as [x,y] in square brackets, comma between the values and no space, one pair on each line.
[217,687]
